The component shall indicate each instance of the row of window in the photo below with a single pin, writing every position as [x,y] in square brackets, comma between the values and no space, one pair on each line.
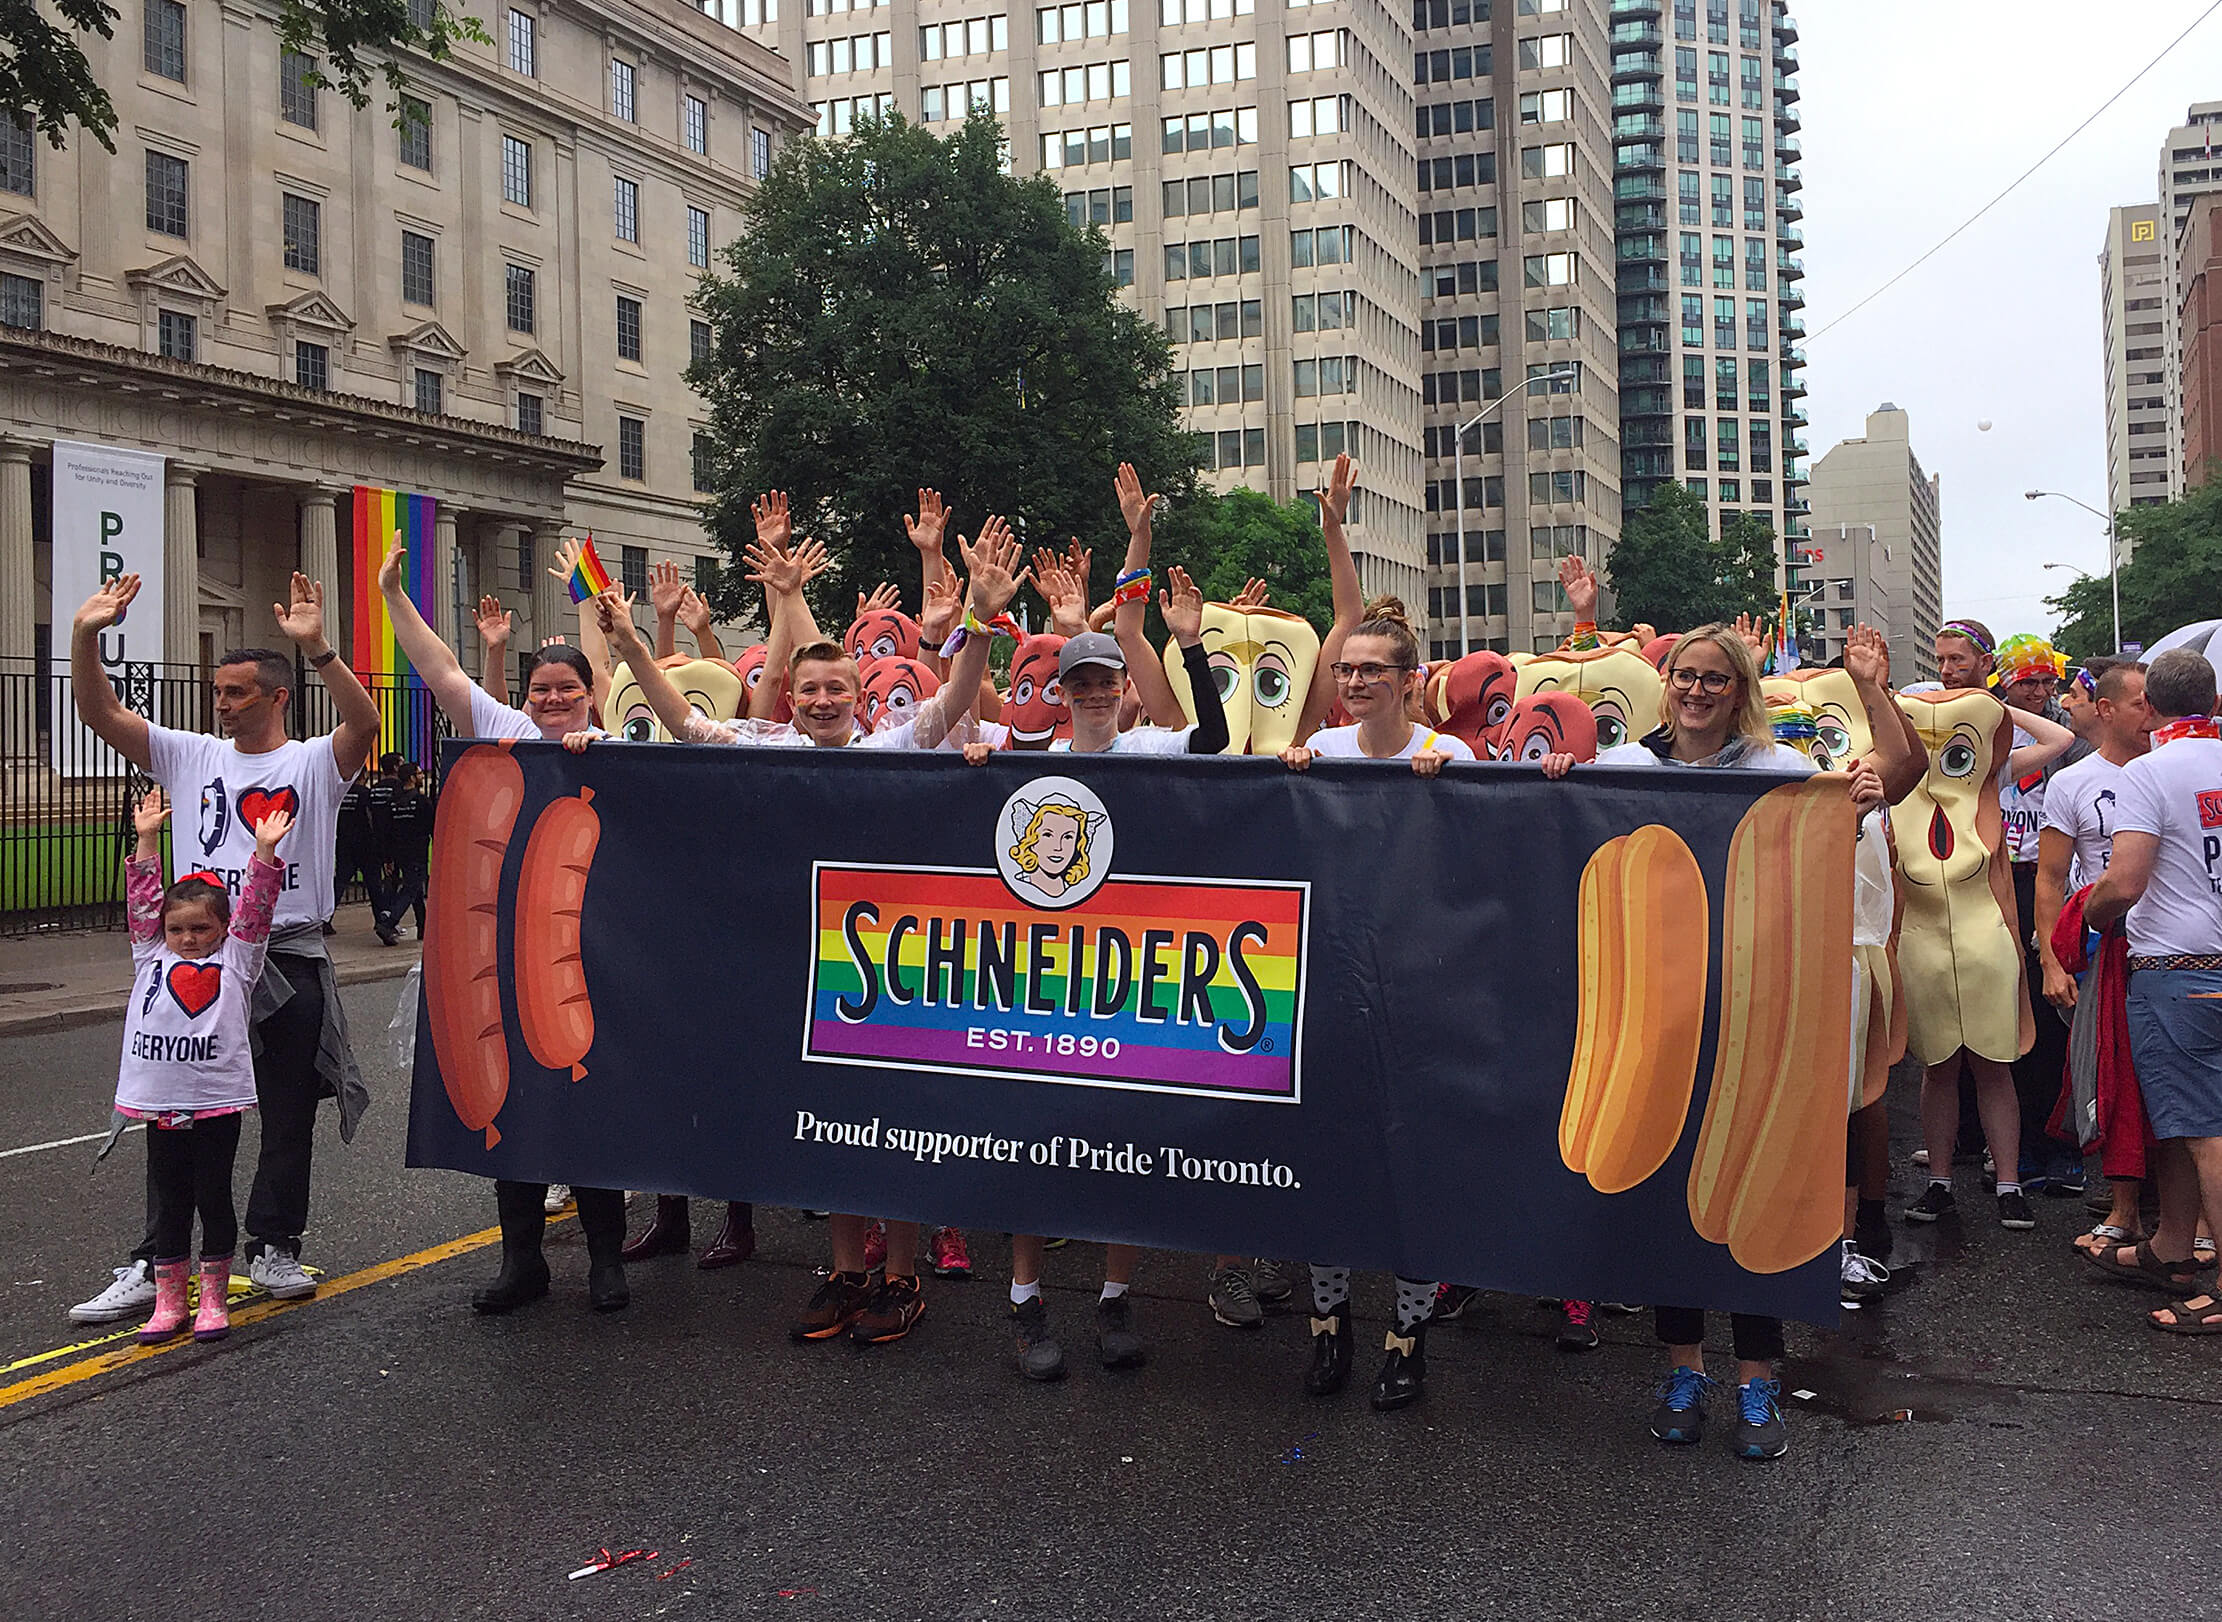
[1552,487]
[1097,19]
[1093,81]
[1762,490]
[1725,445]
[1428,14]
[1324,312]
[1446,226]
[1459,332]
[1319,182]
[939,101]
[1453,117]
[1217,64]
[1690,200]
[1309,53]
[1442,67]
[974,36]
[1220,256]
[863,53]
[1200,132]
[1210,194]
[1106,205]
[1225,385]
[1099,143]
[1456,173]
[1758,332]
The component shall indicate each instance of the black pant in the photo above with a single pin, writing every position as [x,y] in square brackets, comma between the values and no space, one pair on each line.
[1758,1339]
[189,1170]
[2037,1073]
[287,1091]
[407,895]
[370,862]
[523,1208]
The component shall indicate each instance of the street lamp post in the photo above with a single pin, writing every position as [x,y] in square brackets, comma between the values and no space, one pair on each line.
[2113,553]
[1458,481]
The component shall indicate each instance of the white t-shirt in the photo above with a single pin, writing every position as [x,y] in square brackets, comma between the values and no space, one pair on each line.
[1140,741]
[231,789]
[1341,743]
[2175,793]
[2083,801]
[1776,757]
[2021,805]
[185,1029]
[491,718]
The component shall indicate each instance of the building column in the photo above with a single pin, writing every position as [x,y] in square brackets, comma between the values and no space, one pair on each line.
[181,567]
[320,550]
[551,599]
[442,575]
[18,614]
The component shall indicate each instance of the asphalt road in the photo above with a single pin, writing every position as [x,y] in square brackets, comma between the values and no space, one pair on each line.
[385,1453]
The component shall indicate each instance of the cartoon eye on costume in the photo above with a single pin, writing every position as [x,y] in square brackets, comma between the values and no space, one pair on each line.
[1498,709]
[1270,682]
[1534,746]
[1833,739]
[1054,693]
[1226,675]
[1022,690]
[1612,727]
[1958,758]
[883,647]
[639,725]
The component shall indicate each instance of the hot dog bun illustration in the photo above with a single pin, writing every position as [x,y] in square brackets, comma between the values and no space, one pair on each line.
[552,1000]
[462,982]
[1642,1011]
[1781,1065]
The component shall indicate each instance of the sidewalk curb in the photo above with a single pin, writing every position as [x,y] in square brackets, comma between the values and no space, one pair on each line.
[111,1007]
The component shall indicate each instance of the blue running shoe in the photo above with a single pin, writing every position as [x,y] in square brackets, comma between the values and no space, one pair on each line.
[1760,1433]
[1680,1416]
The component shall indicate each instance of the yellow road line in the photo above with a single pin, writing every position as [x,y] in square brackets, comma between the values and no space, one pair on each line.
[38,1385]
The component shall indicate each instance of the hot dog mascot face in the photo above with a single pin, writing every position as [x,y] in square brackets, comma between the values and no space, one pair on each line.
[893,689]
[884,633]
[750,667]
[1263,662]
[1551,723]
[1618,684]
[714,689]
[1471,699]
[1840,731]
[1035,710]
[1963,970]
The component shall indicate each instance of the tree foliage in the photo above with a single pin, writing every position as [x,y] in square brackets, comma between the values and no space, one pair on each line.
[1667,570]
[1226,541]
[900,312]
[2173,578]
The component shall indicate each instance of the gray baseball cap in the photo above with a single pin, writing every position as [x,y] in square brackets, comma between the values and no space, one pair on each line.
[1089,648]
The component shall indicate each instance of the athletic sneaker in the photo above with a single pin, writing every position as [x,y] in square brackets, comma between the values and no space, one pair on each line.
[947,1251]
[1234,1299]
[559,1195]
[835,1305]
[896,1305]
[1575,1332]
[1451,1300]
[1039,1355]
[2015,1212]
[1680,1416]
[1270,1283]
[875,1246]
[1760,1433]
[280,1273]
[1863,1278]
[130,1294]
[1936,1201]
[1118,1345]
[2067,1183]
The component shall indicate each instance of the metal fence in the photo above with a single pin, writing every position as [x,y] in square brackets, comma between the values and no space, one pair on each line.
[66,799]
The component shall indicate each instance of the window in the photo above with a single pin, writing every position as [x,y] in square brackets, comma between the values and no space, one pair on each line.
[1554,433]
[625,209]
[1323,50]
[1096,81]
[1551,214]
[416,268]
[1755,204]
[519,297]
[1548,269]
[1550,326]
[706,576]
[1755,264]
[1761,395]
[428,391]
[421,14]
[528,412]
[1724,323]
[759,153]
[1725,396]
[1692,203]
[165,38]
[700,463]
[1755,323]
[312,366]
[1547,162]
[522,42]
[1724,201]
[303,228]
[1693,441]
[1692,259]
[698,236]
[1218,64]
[297,89]
[632,448]
[1730,457]
[1685,73]
[1546,106]
[621,89]
[19,155]
[166,194]
[416,133]
[698,342]
[628,328]
[1544,51]
[1693,321]
[632,569]
[695,125]
[1090,21]
[173,335]
[1685,135]
[22,301]
[516,171]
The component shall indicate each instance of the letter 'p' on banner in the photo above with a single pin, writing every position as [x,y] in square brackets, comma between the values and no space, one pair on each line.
[1207,1005]
[107,522]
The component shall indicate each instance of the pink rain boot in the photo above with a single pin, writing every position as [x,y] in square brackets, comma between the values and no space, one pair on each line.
[168,1321]
[213,1321]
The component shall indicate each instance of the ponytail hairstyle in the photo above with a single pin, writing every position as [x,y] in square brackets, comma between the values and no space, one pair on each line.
[1386,618]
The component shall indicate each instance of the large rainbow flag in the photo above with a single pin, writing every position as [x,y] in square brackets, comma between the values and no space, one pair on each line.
[376,657]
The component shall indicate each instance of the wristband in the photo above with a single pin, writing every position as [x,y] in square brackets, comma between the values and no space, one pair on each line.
[1001,625]
[1584,637]
[1131,587]
[320,660]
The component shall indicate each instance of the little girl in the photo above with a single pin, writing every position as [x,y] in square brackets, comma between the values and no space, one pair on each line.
[187,1070]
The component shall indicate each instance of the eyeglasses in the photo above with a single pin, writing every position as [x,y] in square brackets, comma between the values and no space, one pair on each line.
[1712,682]
[1368,673]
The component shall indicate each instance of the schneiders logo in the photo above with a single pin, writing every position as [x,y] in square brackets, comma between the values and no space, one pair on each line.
[1044,967]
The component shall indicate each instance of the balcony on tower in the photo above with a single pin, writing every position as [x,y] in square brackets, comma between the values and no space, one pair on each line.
[1642,96]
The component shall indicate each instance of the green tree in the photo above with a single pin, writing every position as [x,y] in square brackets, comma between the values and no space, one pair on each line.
[900,312]
[1224,542]
[1667,570]
[46,79]
[2173,578]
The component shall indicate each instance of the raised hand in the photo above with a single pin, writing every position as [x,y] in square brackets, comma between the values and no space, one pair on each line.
[496,624]
[882,595]
[944,603]
[303,619]
[152,811]
[1252,595]
[1867,656]
[1580,587]
[1061,590]
[1334,501]
[666,590]
[926,530]
[567,554]
[1182,604]
[391,565]
[1135,505]
[274,826]
[993,564]
[1754,633]
[555,641]
[613,612]
[783,573]
[106,606]
[694,613]
[773,521]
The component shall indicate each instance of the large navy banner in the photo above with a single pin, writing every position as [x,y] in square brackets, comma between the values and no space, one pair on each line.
[1587,1039]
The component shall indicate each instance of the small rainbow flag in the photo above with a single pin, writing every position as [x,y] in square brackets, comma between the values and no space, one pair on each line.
[376,656]
[588,577]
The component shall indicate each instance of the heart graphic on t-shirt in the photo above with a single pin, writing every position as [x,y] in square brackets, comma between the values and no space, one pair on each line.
[193,986]
[258,803]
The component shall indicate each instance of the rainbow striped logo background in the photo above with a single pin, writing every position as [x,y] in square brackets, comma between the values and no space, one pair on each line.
[378,513]
[1023,1010]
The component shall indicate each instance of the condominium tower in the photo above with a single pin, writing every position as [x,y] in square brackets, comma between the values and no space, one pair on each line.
[2133,295]
[2190,164]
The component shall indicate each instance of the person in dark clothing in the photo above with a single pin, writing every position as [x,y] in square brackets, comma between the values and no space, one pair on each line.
[357,851]
[409,840]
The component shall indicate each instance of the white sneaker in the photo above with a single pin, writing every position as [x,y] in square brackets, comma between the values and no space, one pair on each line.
[281,1274]
[129,1295]
[1863,1278]
[559,1196]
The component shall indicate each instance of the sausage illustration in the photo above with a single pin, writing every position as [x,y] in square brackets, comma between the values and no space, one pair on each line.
[552,1000]
[1642,1010]
[462,977]
[1782,1063]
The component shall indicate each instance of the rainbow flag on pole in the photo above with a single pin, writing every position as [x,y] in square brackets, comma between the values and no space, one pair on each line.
[375,655]
[588,578]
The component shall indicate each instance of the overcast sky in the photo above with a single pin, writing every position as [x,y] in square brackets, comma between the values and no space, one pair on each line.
[1916,113]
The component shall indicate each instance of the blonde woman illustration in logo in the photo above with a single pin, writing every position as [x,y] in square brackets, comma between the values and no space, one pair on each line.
[1052,850]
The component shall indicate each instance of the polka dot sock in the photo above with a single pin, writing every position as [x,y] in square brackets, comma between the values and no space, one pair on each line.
[1330,1290]
[1415,1303]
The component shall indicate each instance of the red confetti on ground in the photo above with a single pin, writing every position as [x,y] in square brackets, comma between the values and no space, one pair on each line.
[666,1576]
[796,1593]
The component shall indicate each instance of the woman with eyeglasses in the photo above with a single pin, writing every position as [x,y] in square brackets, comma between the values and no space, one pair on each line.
[1712,714]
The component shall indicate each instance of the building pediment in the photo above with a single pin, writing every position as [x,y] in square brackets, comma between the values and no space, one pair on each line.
[28,236]
[529,366]
[429,340]
[312,310]
[176,277]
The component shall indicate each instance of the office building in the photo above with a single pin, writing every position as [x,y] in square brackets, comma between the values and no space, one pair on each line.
[2190,167]
[2199,328]
[1877,521]
[2133,294]
[485,301]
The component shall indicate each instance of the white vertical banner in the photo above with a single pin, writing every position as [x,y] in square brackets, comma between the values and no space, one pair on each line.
[107,522]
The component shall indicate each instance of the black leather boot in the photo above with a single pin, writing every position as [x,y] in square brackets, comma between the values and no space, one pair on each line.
[524,1271]
[670,1234]
[1330,1353]
[602,1216]
[1403,1372]
[736,1240]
